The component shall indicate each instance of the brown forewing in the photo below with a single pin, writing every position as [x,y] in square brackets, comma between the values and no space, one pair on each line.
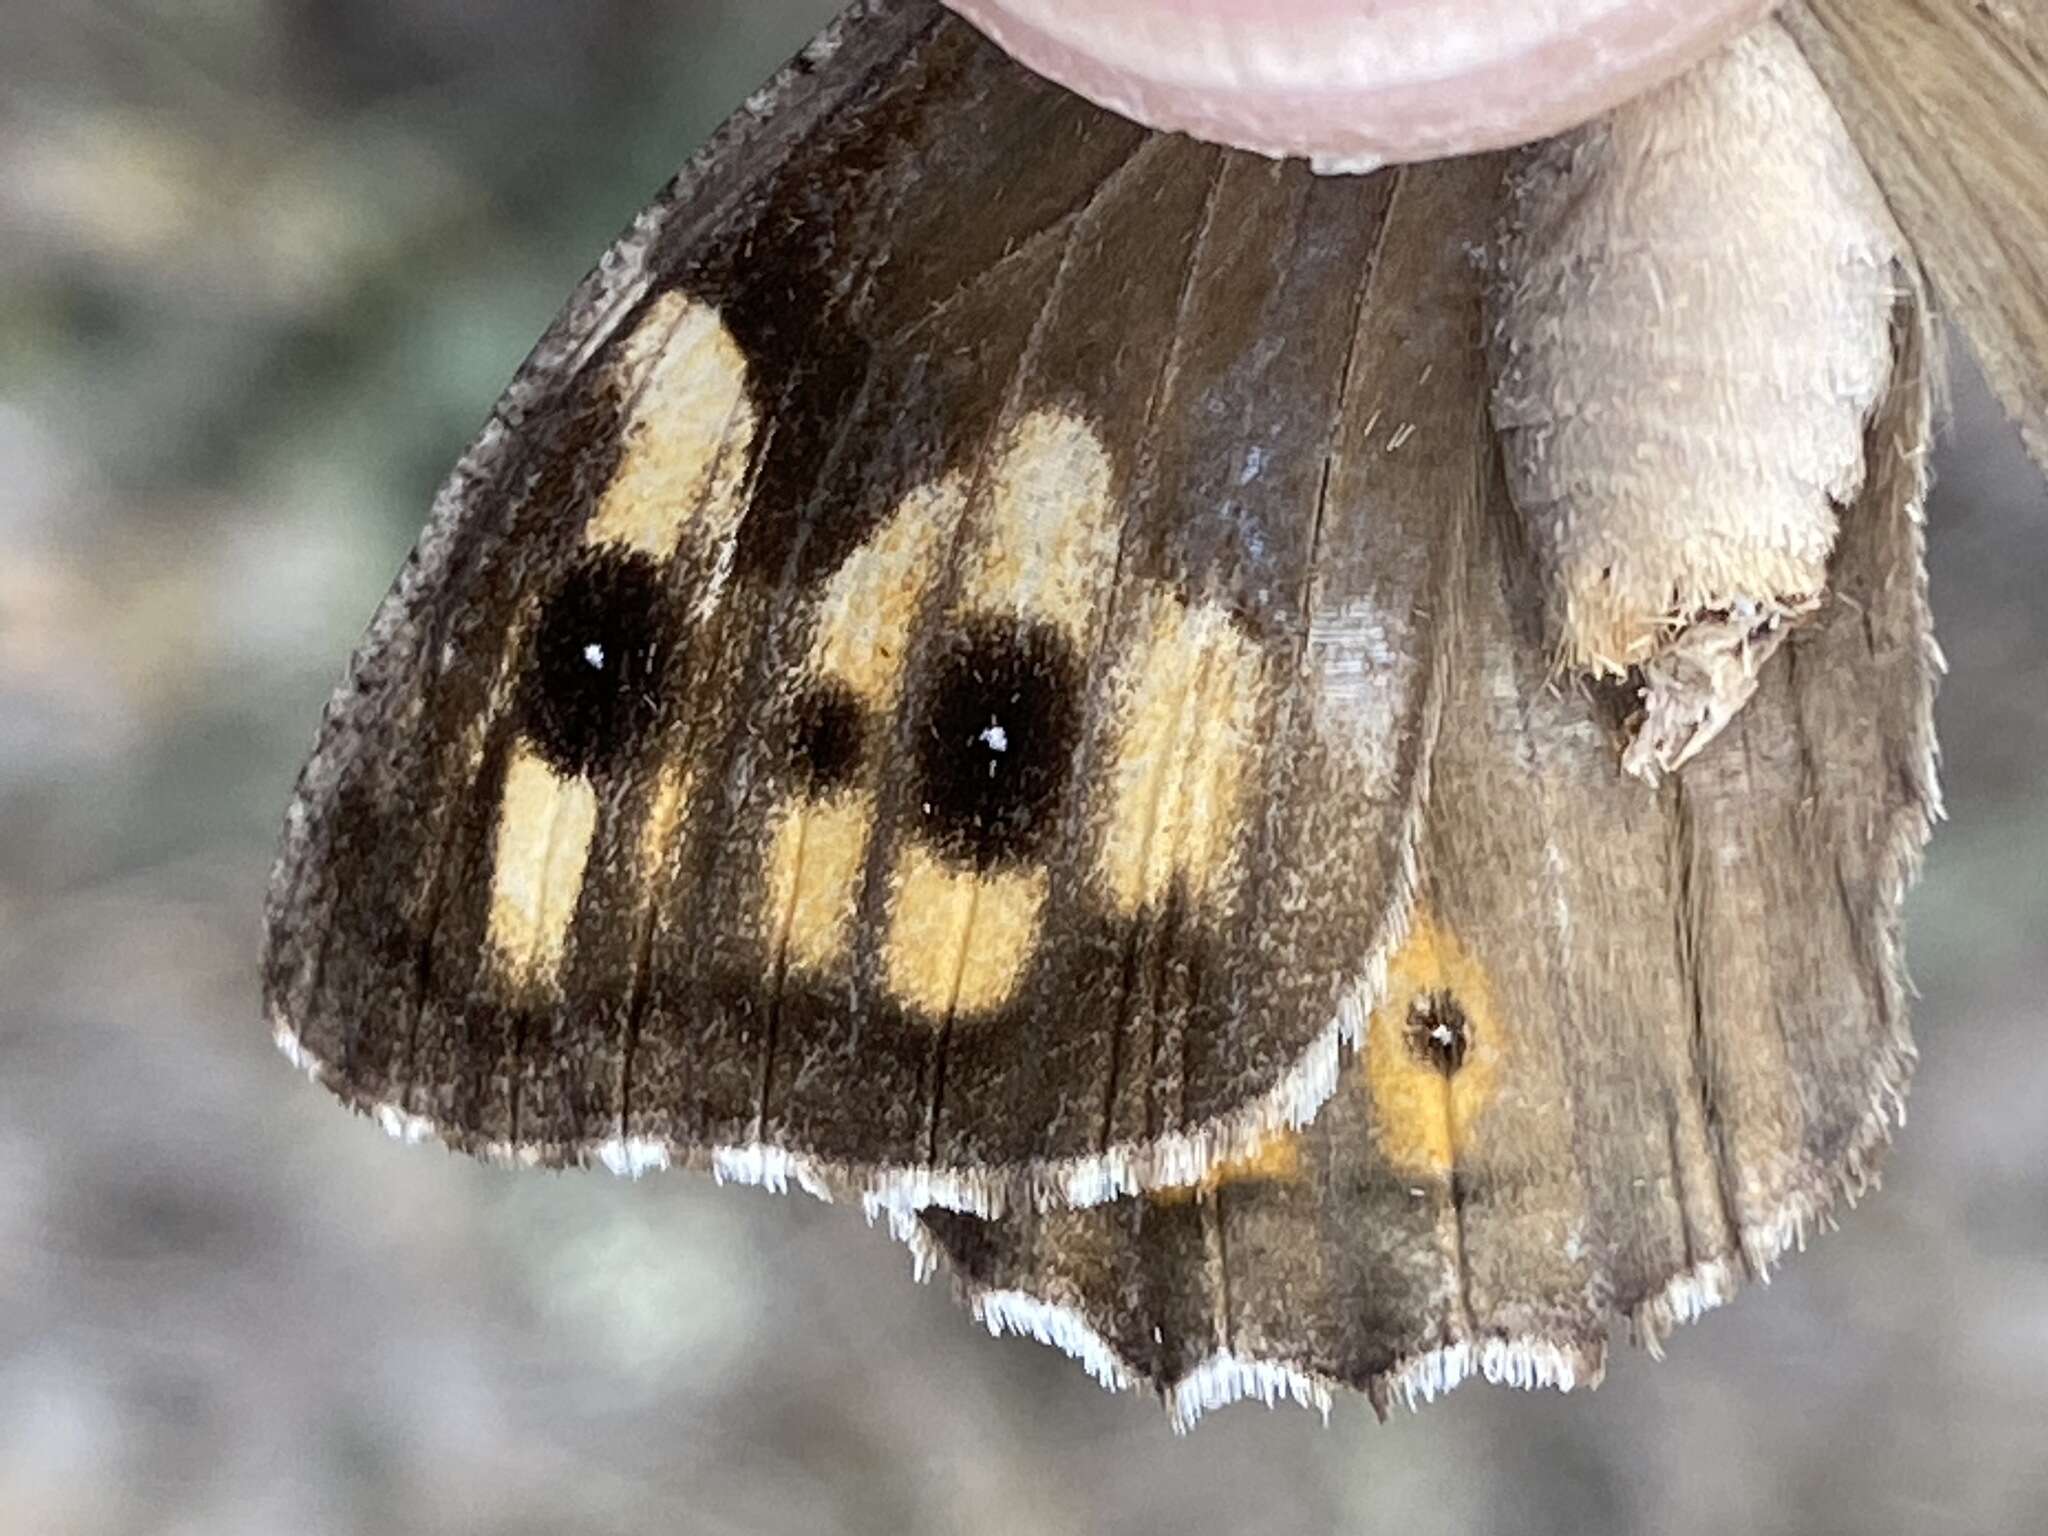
[928,261]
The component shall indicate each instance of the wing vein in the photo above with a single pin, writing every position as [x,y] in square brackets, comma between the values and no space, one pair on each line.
[1055,288]
[1144,482]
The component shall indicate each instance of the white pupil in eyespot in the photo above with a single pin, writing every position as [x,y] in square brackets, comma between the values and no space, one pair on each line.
[594,654]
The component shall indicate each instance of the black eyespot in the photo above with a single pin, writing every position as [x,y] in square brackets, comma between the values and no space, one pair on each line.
[593,684]
[827,739]
[995,741]
[1439,1031]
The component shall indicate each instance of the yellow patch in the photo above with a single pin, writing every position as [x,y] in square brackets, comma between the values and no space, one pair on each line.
[959,941]
[688,434]
[664,816]
[1175,776]
[1426,1123]
[1276,1160]
[545,825]
[815,859]
[1050,543]
[871,603]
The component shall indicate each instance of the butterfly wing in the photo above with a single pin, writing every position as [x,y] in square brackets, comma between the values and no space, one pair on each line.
[1634,1046]
[1948,100]
[921,687]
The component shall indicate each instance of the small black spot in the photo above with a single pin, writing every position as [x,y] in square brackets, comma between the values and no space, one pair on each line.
[1439,1031]
[593,682]
[827,740]
[996,726]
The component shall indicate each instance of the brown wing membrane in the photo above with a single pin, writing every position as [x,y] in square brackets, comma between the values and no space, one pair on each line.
[1635,1045]
[921,687]
[1948,100]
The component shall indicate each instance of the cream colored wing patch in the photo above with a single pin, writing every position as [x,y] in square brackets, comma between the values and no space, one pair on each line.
[962,931]
[677,493]
[684,456]
[958,939]
[817,849]
[545,822]
[993,729]
[1193,694]
[1050,539]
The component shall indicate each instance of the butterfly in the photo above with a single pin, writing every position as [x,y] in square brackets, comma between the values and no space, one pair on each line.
[1122,704]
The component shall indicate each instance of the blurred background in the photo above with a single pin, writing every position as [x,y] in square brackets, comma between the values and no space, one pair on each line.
[264,264]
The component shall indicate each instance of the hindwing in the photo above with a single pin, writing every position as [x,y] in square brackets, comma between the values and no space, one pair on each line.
[1635,1046]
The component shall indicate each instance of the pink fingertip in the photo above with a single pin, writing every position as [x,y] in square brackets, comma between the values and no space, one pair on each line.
[1352,84]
